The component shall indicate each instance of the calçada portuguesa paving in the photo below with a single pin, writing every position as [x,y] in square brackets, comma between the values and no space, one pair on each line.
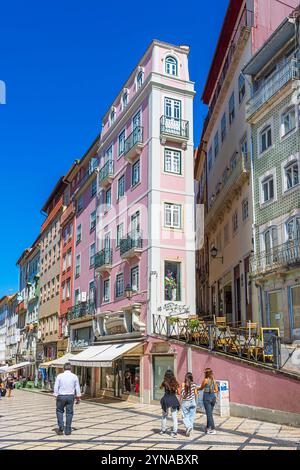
[28,422]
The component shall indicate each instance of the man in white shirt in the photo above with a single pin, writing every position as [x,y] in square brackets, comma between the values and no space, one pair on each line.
[66,389]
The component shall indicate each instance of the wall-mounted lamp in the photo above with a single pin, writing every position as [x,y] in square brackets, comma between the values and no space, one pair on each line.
[214,253]
[129,292]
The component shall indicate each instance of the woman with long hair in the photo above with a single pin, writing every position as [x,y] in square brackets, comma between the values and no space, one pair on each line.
[189,407]
[210,389]
[169,401]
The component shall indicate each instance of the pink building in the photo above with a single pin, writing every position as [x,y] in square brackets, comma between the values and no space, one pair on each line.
[145,226]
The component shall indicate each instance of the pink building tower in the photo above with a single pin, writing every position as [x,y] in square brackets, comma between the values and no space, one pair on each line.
[145,260]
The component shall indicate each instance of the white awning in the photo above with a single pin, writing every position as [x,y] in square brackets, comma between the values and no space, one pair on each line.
[15,367]
[102,355]
[59,362]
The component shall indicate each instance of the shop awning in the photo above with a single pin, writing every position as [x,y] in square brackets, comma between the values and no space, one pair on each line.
[6,369]
[102,355]
[59,362]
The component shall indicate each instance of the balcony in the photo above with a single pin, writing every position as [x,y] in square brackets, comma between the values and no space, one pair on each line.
[134,145]
[84,309]
[175,130]
[103,261]
[280,258]
[131,245]
[268,91]
[106,174]
[224,82]
[68,213]
[236,177]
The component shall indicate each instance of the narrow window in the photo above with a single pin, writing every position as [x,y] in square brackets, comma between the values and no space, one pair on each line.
[171,66]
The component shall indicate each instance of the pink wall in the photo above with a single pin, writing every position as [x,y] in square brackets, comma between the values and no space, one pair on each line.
[268,16]
[248,385]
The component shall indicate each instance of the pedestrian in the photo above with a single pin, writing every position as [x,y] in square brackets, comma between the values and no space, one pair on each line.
[9,385]
[210,390]
[170,402]
[189,392]
[66,390]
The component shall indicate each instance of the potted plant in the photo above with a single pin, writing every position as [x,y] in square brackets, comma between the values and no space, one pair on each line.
[173,320]
[171,285]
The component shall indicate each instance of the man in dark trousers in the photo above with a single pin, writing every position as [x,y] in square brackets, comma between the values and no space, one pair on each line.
[66,390]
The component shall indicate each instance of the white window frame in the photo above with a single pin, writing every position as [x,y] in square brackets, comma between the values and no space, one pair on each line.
[125,93]
[121,293]
[260,132]
[289,220]
[235,222]
[119,238]
[104,299]
[173,208]
[268,174]
[289,161]
[78,232]
[91,265]
[137,163]
[245,204]
[140,73]
[173,67]
[121,151]
[137,277]
[171,154]
[78,265]
[93,220]
[285,111]
[118,187]
[231,117]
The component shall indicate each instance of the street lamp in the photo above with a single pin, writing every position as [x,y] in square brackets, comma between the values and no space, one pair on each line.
[214,252]
[128,292]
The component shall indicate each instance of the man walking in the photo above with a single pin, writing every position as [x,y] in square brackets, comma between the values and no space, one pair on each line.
[66,389]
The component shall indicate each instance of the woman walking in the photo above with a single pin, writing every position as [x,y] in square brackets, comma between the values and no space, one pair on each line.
[188,394]
[9,385]
[169,401]
[210,388]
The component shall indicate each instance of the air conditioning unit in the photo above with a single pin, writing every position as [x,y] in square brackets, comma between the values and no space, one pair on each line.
[83,296]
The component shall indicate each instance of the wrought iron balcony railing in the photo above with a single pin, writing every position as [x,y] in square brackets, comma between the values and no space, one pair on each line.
[290,71]
[133,241]
[279,257]
[236,174]
[106,171]
[174,127]
[103,258]
[136,137]
[81,310]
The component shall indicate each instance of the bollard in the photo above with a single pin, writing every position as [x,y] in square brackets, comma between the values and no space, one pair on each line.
[276,352]
[210,337]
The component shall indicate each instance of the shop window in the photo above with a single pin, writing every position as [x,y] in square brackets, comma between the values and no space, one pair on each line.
[107,378]
[172,281]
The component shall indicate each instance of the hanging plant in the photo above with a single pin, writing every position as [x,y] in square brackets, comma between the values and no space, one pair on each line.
[173,320]
[193,324]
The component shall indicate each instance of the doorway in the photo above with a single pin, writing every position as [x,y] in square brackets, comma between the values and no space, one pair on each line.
[275,311]
[237,294]
[160,365]
[228,302]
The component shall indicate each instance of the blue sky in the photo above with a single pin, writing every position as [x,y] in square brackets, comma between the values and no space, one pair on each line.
[63,62]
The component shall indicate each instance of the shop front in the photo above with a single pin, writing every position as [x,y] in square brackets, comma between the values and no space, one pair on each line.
[111,370]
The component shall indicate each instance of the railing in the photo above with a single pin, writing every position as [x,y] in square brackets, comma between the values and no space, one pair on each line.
[174,127]
[132,241]
[81,310]
[68,212]
[106,170]
[104,257]
[246,21]
[279,257]
[240,168]
[290,71]
[136,137]
[232,339]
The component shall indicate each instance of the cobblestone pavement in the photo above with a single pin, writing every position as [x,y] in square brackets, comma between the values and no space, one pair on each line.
[27,421]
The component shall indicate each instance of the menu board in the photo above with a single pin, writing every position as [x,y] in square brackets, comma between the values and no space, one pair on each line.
[267,335]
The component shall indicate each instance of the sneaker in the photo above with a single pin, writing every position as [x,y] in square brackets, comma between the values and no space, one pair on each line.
[211,431]
[173,434]
[188,432]
[162,432]
[59,431]
[68,432]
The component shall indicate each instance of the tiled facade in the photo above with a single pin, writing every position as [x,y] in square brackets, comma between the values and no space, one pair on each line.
[273,112]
